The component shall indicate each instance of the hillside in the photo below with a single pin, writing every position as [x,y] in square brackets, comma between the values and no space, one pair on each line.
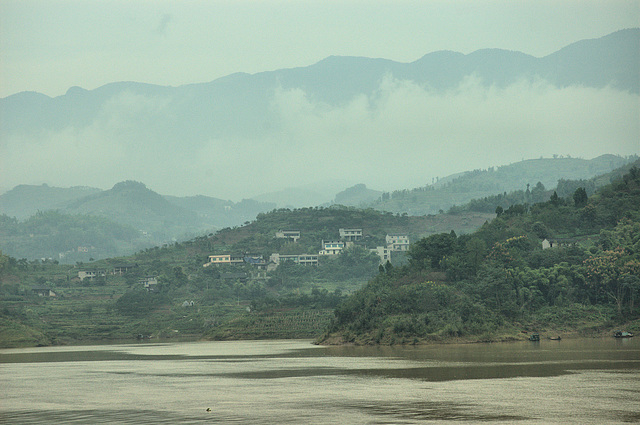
[216,213]
[302,296]
[461,188]
[357,195]
[490,284]
[150,219]
[240,97]
[538,193]
[68,238]
[161,219]
[501,282]
[132,203]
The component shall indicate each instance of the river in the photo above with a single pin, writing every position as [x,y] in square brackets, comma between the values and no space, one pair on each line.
[576,381]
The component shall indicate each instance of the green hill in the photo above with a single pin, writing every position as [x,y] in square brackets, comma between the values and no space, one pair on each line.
[461,188]
[490,284]
[67,238]
[290,301]
[78,223]
[133,204]
[499,281]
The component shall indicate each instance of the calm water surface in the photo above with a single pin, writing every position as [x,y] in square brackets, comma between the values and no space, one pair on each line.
[594,381]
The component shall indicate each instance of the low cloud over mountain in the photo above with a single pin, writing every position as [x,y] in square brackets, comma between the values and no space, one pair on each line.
[387,124]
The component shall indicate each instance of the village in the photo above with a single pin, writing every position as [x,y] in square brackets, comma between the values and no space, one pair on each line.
[347,239]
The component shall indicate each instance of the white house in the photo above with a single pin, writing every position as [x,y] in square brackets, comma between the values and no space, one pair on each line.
[90,274]
[397,242]
[150,283]
[332,247]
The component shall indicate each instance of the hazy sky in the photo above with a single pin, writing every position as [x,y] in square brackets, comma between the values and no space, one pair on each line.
[51,45]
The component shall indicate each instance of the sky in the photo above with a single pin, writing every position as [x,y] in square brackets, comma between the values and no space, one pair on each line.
[48,46]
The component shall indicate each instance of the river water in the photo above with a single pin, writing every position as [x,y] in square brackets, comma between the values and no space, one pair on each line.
[582,381]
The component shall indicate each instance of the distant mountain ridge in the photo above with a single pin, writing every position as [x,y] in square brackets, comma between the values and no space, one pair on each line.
[131,203]
[239,104]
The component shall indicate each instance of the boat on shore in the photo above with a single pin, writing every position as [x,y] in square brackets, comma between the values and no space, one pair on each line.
[622,334]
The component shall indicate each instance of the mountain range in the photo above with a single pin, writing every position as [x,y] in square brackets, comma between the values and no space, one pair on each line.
[244,135]
[226,105]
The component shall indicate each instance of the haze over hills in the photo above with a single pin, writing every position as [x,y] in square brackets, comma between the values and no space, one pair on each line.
[80,223]
[343,118]
[132,203]
[461,188]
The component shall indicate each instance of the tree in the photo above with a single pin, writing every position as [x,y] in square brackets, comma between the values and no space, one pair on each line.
[580,197]
[431,250]
[616,274]
[476,251]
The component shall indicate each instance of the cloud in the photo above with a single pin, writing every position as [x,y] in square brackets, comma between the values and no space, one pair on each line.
[404,134]
[398,137]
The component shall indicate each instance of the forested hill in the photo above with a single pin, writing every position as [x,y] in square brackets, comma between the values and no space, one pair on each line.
[461,188]
[498,282]
[538,193]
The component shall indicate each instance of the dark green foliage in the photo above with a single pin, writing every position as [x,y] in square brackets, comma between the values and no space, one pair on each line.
[580,197]
[139,302]
[502,275]
[431,250]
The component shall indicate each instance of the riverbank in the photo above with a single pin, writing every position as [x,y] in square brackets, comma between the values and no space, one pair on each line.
[511,334]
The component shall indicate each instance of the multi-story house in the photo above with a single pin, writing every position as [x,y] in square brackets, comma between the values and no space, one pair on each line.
[224,259]
[384,253]
[397,242]
[303,259]
[332,247]
[350,234]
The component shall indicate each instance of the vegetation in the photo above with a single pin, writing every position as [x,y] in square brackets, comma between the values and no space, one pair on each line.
[77,224]
[498,282]
[225,298]
[509,181]
[487,285]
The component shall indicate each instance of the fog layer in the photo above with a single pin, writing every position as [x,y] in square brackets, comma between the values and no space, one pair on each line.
[400,136]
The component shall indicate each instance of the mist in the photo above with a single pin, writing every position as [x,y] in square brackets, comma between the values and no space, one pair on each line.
[400,136]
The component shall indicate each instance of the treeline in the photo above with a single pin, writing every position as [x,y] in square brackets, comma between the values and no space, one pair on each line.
[500,277]
[537,194]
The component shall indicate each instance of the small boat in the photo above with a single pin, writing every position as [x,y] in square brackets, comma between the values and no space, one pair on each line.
[555,338]
[622,334]
[534,337]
